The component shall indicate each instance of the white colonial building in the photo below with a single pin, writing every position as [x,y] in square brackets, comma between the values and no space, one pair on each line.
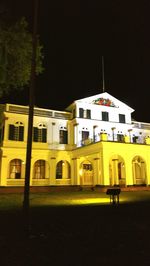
[94,142]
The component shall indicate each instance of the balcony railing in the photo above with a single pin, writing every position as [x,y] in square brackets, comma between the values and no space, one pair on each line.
[113,138]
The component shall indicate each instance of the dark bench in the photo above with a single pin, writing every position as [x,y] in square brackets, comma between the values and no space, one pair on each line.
[114,194]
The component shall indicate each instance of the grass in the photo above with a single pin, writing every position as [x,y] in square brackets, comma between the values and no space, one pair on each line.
[76,229]
[14,201]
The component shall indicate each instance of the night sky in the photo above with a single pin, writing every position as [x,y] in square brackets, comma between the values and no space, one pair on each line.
[75,35]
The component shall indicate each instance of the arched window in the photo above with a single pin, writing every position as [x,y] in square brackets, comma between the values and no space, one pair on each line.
[15,169]
[16,131]
[39,169]
[40,133]
[63,170]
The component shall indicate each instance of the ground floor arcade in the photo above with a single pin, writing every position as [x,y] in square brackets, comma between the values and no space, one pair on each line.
[102,163]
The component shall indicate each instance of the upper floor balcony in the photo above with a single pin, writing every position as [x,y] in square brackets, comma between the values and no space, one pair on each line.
[115,138]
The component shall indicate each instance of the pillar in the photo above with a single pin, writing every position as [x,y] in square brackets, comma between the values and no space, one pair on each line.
[4,171]
[52,180]
[130,172]
[76,140]
[115,180]
[105,172]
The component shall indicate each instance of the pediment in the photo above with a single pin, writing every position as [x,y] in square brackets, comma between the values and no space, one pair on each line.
[105,99]
[102,99]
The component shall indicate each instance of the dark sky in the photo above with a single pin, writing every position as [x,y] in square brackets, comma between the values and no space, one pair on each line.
[75,35]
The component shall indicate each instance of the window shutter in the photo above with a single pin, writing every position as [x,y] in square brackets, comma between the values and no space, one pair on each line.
[44,135]
[88,113]
[21,133]
[35,134]
[81,111]
[65,138]
[11,132]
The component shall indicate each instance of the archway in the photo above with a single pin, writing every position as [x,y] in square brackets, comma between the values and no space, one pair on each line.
[117,171]
[139,170]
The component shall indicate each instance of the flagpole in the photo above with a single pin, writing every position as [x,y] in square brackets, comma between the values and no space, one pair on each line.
[103,77]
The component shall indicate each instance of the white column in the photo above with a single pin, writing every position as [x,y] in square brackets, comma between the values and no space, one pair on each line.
[94,127]
[76,139]
[113,133]
[129,130]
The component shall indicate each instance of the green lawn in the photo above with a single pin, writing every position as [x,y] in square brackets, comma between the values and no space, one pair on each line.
[75,229]
[14,201]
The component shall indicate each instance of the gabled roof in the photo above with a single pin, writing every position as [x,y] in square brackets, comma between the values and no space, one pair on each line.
[104,99]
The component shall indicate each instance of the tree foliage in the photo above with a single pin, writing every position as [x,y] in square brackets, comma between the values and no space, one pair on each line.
[16,56]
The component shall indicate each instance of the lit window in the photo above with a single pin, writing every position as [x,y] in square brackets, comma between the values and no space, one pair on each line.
[87,167]
[39,169]
[15,169]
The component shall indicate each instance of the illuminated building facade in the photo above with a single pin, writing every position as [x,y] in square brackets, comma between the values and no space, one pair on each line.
[94,142]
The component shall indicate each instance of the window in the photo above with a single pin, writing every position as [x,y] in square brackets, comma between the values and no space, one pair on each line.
[63,136]
[87,167]
[84,113]
[85,135]
[81,112]
[135,139]
[105,116]
[63,170]
[121,118]
[88,113]
[16,132]
[15,169]
[39,169]
[120,137]
[40,133]
[59,170]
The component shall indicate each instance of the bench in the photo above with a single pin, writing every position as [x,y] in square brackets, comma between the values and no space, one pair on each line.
[114,194]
